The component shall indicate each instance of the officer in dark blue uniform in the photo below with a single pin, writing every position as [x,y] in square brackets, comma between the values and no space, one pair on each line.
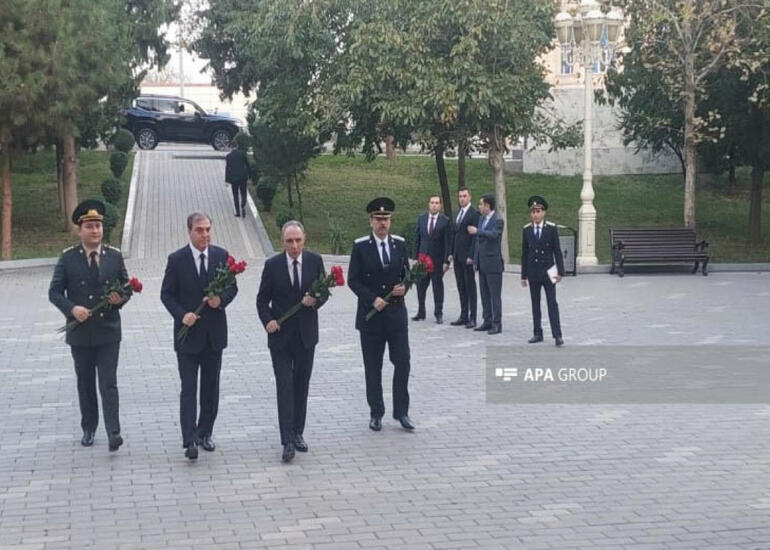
[77,286]
[378,264]
[540,250]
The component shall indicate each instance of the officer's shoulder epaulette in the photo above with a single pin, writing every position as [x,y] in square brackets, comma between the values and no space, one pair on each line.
[550,223]
[362,239]
[398,238]
[69,248]
[528,225]
[113,248]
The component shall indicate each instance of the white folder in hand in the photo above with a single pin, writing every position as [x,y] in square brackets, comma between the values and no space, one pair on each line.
[553,272]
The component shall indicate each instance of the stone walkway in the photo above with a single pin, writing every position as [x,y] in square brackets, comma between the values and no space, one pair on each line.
[473,475]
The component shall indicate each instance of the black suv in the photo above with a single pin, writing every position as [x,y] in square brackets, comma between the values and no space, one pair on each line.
[156,118]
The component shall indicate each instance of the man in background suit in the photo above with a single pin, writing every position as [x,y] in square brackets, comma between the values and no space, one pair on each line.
[462,256]
[77,286]
[286,280]
[378,264]
[188,272]
[238,171]
[540,249]
[488,260]
[434,238]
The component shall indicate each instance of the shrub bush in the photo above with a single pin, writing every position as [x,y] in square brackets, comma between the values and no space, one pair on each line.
[110,219]
[123,140]
[118,163]
[283,216]
[112,190]
[266,189]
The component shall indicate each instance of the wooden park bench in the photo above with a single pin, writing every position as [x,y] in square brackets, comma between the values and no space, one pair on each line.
[654,245]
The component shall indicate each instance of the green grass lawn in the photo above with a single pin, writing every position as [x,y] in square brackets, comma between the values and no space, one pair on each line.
[38,226]
[341,186]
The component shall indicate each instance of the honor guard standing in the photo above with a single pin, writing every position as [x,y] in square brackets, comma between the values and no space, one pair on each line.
[77,286]
[540,250]
[378,264]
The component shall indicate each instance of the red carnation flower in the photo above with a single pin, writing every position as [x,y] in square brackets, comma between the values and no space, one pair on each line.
[339,279]
[135,284]
[427,260]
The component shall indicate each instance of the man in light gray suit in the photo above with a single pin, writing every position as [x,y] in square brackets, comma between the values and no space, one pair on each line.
[488,259]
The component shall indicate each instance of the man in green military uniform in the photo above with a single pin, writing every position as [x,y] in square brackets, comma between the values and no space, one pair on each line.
[378,264]
[77,286]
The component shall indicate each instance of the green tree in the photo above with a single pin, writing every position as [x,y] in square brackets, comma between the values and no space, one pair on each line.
[684,42]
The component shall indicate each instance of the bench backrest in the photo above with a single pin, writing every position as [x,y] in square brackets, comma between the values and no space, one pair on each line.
[678,236]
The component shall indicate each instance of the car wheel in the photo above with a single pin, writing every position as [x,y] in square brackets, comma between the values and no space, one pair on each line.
[146,138]
[221,140]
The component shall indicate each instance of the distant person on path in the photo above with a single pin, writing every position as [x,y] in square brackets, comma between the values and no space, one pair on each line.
[433,238]
[462,256]
[188,272]
[286,280]
[77,286]
[540,250]
[488,259]
[238,171]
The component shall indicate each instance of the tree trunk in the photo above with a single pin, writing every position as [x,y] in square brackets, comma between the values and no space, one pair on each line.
[299,198]
[288,191]
[60,178]
[755,204]
[497,162]
[390,148]
[70,162]
[690,153]
[5,140]
[443,182]
[462,153]
[731,173]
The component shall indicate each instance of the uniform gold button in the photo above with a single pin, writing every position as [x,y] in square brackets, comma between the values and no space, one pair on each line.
[90,297]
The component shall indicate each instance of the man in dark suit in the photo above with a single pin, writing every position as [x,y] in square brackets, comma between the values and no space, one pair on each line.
[77,286]
[238,171]
[378,264]
[434,238]
[540,250]
[188,272]
[462,256]
[286,280]
[488,259]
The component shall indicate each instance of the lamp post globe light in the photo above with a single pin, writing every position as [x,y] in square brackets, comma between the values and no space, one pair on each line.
[592,34]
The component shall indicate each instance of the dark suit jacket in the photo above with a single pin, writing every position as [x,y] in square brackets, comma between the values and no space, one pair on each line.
[438,245]
[237,167]
[368,279]
[538,255]
[487,251]
[275,297]
[464,241]
[182,292]
[72,286]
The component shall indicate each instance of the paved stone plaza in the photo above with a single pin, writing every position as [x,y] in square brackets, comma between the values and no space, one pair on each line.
[472,475]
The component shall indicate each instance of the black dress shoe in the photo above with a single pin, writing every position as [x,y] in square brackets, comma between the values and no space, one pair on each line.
[419,317]
[88,438]
[496,329]
[115,442]
[288,452]
[559,342]
[459,322]
[439,319]
[484,327]
[299,443]
[535,339]
[406,423]
[191,451]
[207,443]
[470,324]
[375,423]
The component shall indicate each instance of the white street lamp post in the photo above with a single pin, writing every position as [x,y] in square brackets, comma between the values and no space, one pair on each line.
[583,34]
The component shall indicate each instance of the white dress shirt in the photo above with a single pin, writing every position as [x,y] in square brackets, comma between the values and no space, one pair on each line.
[290,265]
[377,240]
[197,257]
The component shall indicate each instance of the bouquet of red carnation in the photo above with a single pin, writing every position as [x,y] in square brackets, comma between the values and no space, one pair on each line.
[124,290]
[419,270]
[224,278]
[320,289]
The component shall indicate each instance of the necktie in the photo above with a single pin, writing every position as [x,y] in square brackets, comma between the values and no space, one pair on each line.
[460,216]
[432,225]
[295,282]
[537,232]
[484,223]
[93,267]
[385,257]
[202,273]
